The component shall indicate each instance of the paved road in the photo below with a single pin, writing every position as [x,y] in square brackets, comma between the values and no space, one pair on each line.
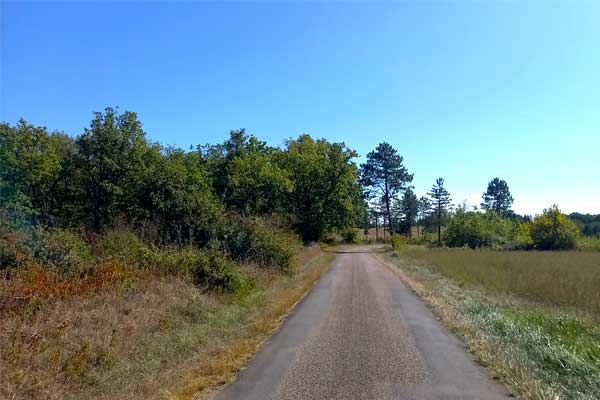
[361,334]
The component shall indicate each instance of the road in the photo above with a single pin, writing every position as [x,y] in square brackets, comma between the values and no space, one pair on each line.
[361,334]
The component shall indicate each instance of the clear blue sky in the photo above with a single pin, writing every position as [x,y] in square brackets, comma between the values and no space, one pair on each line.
[466,90]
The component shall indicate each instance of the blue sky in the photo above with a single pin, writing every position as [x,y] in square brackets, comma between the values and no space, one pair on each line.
[465,90]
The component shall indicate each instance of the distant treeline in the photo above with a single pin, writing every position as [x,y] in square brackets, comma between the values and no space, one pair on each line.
[590,223]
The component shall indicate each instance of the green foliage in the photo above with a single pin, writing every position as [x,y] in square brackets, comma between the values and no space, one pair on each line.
[440,205]
[270,247]
[589,243]
[409,208]
[475,229]
[563,350]
[590,224]
[208,268]
[497,197]
[553,230]
[326,195]
[260,242]
[384,176]
[63,250]
[350,235]
[258,185]
[214,271]
[398,241]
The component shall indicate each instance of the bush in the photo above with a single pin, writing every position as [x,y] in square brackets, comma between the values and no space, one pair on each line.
[398,241]
[260,242]
[209,268]
[553,230]
[13,248]
[475,229]
[126,247]
[350,235]
[63,250]
[214,271]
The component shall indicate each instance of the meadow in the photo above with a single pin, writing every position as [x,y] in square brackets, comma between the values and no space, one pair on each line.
[532,318]
[558,278]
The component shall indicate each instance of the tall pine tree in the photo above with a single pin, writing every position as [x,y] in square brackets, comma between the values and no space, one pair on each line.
[440,206]
[384,176]
[497,197]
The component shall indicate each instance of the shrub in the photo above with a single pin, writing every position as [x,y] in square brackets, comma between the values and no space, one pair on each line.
[553,230]
[350,235]
[13,249]
[63,250]
[214,271]
[260,242]
[398,241]
[272,247]
[126,247]
[475,229]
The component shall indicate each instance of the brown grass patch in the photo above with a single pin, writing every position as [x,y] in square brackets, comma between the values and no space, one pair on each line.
[120,335]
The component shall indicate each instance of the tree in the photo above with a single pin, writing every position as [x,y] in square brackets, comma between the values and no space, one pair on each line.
[107,150]
[553,230]
[497,197]
[326,193]
[423,209]
[440,206]
[258,185]
[385,175]
[409,207]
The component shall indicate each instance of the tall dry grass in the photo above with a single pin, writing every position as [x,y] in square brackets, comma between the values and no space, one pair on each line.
[561,278]
[123,334]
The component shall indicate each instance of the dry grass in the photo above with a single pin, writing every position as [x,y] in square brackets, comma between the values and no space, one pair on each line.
[539,351]
[143,336]
[237,348]
[565,278]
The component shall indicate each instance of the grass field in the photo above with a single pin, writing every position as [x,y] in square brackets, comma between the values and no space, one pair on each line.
[566,279]
[532,318]
[154,337]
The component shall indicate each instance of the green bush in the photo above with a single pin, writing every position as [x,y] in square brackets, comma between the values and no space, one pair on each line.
[273,247]
[260,242]
[350,235]
[208,268]
[475,229]
[398,241]
[63,250]
[125,246]
[553,230]
[214,271]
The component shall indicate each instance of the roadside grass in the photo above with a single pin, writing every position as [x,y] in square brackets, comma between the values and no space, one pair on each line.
[540,350]
[558,278]
[151,336]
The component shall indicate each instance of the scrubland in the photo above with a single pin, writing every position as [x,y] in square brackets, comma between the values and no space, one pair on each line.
[124,331]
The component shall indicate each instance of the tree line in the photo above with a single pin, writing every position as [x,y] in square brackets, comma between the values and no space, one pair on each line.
[390,197]
[112,174]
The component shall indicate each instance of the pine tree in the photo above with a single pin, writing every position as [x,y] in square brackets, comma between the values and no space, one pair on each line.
[441,203]
[384,176]
[497,197]
[409,207]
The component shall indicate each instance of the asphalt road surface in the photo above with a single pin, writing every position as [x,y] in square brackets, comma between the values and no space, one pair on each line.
[361,334]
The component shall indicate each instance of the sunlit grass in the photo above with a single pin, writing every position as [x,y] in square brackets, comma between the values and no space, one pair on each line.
[566,279]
